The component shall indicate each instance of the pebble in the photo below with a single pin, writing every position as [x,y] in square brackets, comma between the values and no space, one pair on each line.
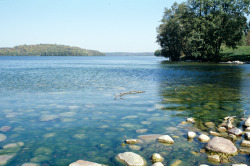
[156,157]
[190,120]
[235,131]
[134,147]
[165,139]
[214,133]
[203,138]
[214,158]
[222,129]
[158,164]
[191,135]
[132,141]
[209,124]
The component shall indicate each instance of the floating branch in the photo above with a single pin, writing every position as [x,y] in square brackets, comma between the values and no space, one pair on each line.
[126,93]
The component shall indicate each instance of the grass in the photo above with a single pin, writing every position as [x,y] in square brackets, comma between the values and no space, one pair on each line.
[242,53]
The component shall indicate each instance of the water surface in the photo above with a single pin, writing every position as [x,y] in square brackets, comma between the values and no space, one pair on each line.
[88,120]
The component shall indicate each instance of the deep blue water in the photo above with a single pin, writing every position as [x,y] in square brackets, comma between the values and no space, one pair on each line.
[90,121]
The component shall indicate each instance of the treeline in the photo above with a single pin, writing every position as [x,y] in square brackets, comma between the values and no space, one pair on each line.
[197,29]
[47,50]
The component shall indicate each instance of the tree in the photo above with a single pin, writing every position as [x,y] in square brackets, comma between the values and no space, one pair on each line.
[198,28]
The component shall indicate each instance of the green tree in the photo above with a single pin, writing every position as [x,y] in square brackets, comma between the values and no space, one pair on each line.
[198,28]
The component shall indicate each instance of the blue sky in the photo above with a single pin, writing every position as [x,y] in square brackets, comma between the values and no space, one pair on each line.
[104,25]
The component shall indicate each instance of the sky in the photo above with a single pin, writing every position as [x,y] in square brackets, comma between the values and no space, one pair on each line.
[103,25]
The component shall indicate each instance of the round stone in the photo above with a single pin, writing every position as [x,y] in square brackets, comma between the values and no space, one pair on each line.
[203,138]
[131,159]
[191,135]
[165,139]
[156,157]
[222,145]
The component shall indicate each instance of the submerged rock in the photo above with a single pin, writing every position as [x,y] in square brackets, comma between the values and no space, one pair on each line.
[46,118]
[156,157]
[84,163]
[5,158]
[2,137]
[131,159]
[214,133]
[235,131]
[221,145]
[149,138]
[209,124]
[30,164]
[203,138]
[191,135]
[134,147]
[165,139]
[140,131]
[14,145]
[158,164]
[176,162]
[214,158]
[132,141]
[5,128]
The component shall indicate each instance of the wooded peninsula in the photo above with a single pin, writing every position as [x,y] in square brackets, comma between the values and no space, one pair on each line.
[48,50]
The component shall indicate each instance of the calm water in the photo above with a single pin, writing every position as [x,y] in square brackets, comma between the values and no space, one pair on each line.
[67,108]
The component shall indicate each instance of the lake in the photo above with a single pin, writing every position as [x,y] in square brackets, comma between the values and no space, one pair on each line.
[62,109]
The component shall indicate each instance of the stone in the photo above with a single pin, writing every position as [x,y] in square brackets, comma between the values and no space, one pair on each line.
[5,128]
[149,138]
[221,145]
[84,163]
[156,157]
[245,143]
[222,129]
[247,135]
[247,122]
[203,138]
[190,120]
[30,164]
[247,129]
[2,137]
[158,164]
[5,158]
[244,150]
[214,158]
[134,147]
[214,133]
[131,159]
[140,131]
[239,165]
[235,131]
[165,139]
[232,137]
[46,118]
[176,162]
[209,124]
[191,135]
[132,141]
[14,145]
[204,165]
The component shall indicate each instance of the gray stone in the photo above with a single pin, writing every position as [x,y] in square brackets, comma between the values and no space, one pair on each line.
[222,145]
[203,138]
[247,122]
[84,163]
[165,139]
[239,165]
[5,158]
[244,150]
[247,135]
[191,135]
[156,157]
[2,137]
[245,143]
[235,131]
[214,158]
[131,159]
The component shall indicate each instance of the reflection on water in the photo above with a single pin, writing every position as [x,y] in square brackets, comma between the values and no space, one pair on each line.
[57,110]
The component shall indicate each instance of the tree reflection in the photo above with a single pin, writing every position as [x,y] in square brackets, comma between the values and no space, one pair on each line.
[206,92]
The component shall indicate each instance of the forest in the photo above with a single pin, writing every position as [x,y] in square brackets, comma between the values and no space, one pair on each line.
[202,29]
[48,50]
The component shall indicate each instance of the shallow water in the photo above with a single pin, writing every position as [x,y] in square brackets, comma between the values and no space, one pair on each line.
[68,108]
